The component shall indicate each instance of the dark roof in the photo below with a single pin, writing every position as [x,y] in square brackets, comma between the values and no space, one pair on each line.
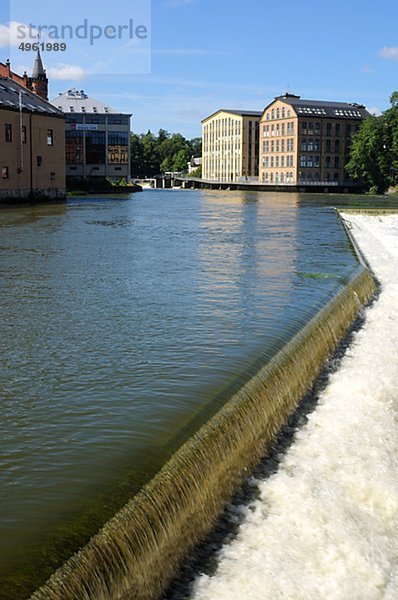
[9,99]
[38,68]
[323,108]
[244,113]
[241,113]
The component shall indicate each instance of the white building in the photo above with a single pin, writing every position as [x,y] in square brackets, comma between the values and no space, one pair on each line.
[97,137]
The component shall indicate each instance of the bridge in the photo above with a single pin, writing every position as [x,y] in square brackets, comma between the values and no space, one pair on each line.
[170,181]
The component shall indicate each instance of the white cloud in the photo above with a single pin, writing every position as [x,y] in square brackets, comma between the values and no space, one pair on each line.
[69,72]
[13,33]
[367,69]
[389,52]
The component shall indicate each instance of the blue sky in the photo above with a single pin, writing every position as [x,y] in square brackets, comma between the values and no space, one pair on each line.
[233,54]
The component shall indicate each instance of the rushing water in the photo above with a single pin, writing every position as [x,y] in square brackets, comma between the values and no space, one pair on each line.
[325,525]
[125,324]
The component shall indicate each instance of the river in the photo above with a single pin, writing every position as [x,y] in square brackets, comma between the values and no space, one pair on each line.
[125,324]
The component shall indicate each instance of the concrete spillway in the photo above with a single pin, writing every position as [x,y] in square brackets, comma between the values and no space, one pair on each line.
[137,553]
[325,524]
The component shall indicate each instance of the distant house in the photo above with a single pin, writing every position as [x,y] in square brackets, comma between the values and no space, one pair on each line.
[230,145]
[307,142]
[194,164]
[32,147]
[97,138]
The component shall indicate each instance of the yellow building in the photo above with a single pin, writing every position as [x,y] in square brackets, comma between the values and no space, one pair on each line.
[230,145]
[307,142]
[32,146]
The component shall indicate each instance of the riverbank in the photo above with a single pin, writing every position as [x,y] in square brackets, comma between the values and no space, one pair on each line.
[325,525]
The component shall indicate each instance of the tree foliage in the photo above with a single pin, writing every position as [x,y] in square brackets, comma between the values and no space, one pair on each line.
[374,150]
[152,155]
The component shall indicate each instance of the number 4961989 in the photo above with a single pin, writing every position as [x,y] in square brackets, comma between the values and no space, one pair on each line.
[44,46]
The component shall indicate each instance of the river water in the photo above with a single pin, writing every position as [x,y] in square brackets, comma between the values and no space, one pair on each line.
[125,324]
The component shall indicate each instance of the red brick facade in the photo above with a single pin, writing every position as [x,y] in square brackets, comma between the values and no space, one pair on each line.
[38,86]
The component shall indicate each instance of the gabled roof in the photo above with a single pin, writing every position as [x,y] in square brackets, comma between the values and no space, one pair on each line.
[10,94]
[323,108]
[240,113]
[76,101]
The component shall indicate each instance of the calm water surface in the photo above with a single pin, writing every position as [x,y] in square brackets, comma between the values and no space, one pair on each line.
[124,325]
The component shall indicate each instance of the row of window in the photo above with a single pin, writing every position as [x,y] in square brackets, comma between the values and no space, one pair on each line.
[217,172]
[303,177]
[5,170]
[83,109]
[271,161]
[313,161]
[278,145]
[332,129]
[226,126]
[222,147]
[278,178]
[305,161]
[306,145]
[222,164]
[8,134]
[96,150]
[100,120]
[310,145]
[308,160]
[280,129]
[310,128]
[216,136]
[278,113]
[310,176]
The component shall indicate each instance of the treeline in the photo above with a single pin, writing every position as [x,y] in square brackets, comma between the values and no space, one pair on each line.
[152,155]
[374,151]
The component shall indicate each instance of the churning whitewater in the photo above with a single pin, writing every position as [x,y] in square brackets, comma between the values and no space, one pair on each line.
[325,526]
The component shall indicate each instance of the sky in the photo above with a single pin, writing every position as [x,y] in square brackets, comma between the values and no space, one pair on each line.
[178,61]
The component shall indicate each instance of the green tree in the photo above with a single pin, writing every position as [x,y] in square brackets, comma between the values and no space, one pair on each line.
[369,150]
[151,157]
[394,99]
[180,163]
[374,151]
[162,135]
[196,146]
[391,117]
[166,165]
[136,156]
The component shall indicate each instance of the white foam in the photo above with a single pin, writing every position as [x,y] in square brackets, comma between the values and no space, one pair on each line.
[326,525]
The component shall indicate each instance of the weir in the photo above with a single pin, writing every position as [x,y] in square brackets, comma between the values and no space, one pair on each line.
[138,552]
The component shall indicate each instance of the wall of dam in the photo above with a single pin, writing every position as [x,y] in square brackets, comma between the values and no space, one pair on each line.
[138,552]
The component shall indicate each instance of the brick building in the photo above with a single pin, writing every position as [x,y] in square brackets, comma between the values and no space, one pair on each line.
[32,145]
[307,142]
[38,83]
